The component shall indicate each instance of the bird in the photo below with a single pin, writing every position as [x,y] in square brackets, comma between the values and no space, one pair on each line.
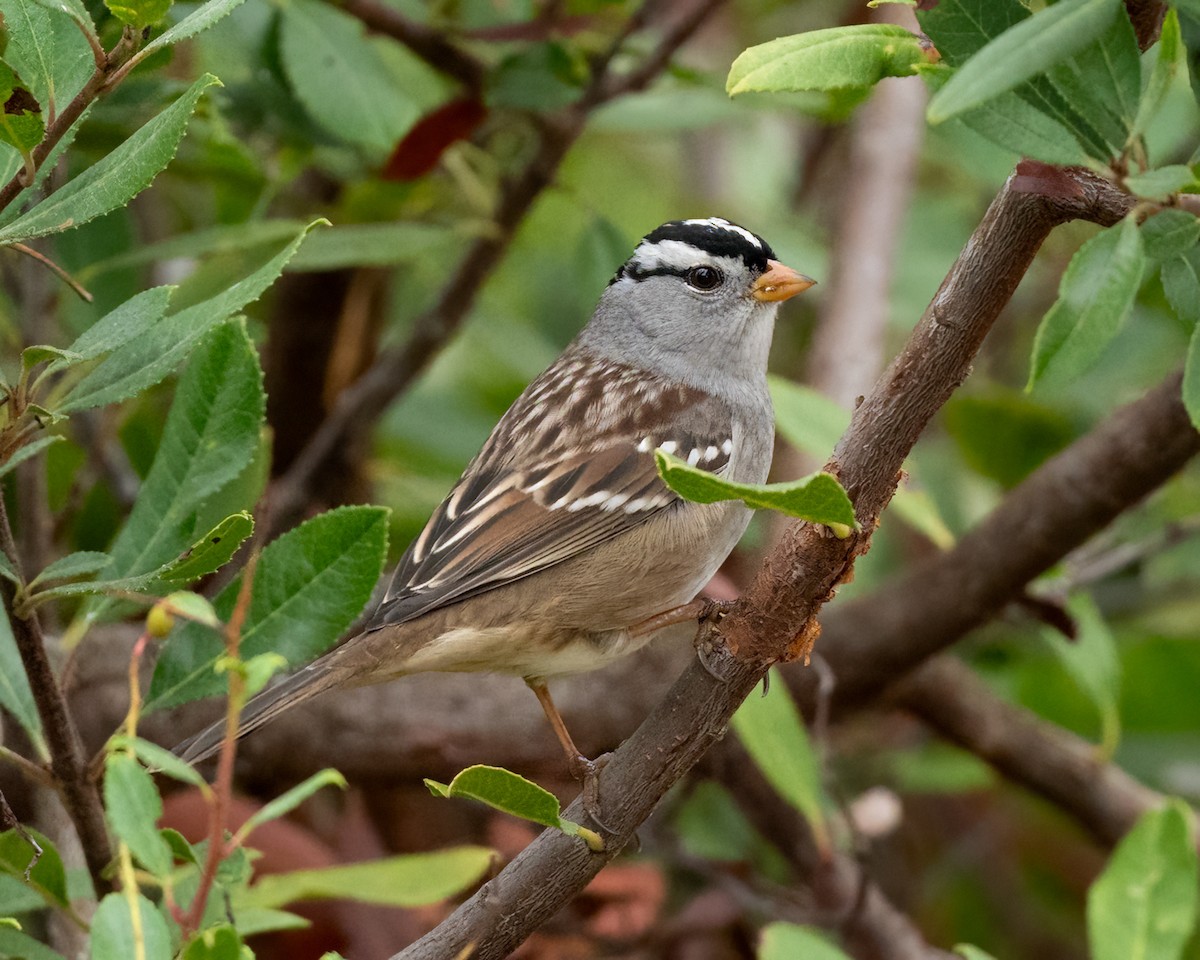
[560,548]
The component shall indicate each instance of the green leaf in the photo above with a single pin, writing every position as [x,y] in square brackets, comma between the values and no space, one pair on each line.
[1104,81]
[1144,903]
[145,360]
[541,76]
[961,28]
[1092,661]
[207,554]
[253,920]
[1181,284]
[854,56]
[21,123]
[373,245]
[259,670]
[1171,59]
[134,318]
[191,606]
[1162,183]
[818,498]
[1005,435]
[47,49]
[772,730]
[8,571]
[138,14]
[971,952]
[13,943]
[353,95]
[1170,233]
[1026,49]
[1010,121]
[40,353]
[919,510]
[1095,296]
[17,897]
[210,436]
[195,22]
[158,759]
[787,941]
[181,849]
[410,880]
[291,799]
[808,419]
[80,564]
[310,585]
[113,930]
[222,942]
[47,877]
[134,808]
[117,178]
[31,449]
[1191,378]
[510,793]
[15,695]
[813,423]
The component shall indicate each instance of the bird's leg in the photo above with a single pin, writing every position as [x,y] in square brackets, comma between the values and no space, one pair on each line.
[697,610]
[582,769]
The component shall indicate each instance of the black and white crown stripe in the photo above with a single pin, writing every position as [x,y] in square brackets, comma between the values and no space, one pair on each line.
[678,245]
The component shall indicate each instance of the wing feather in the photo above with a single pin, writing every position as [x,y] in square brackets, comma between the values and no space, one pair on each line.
[530,500]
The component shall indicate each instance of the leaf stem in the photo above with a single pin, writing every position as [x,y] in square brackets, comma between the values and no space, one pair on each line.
[54,268]
[222,793]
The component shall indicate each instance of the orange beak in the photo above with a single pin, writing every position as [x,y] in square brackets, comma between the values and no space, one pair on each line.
[779,283]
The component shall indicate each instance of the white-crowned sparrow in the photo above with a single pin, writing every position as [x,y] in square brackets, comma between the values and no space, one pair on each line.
[560,548]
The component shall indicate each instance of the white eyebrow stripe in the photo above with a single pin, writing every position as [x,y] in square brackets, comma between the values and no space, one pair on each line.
[722,224]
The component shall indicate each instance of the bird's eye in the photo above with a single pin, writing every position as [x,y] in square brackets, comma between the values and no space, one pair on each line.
[705,278]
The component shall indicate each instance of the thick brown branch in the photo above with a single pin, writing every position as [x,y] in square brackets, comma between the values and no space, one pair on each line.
[1065,769]
[429,44]
[801,573]
[873,641]
[361,404]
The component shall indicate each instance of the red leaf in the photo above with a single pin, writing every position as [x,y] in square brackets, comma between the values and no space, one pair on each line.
[424,144]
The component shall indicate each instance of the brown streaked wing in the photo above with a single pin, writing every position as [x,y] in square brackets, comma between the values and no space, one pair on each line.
[528,501]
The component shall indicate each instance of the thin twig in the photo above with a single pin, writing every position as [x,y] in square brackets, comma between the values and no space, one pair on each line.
[34,771]
[54,268]
[10,820]
[222,794]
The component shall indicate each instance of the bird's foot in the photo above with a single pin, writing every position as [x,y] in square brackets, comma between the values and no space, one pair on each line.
[587,772]
[709,644]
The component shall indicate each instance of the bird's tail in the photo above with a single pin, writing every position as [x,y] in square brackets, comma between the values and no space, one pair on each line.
[304,685]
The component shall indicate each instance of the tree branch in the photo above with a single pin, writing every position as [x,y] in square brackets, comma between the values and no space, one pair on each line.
[1065,769]
[359,406]
[426,42]
[801,574]
[873,641]
[844,897]
[79,793]
[96,86]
